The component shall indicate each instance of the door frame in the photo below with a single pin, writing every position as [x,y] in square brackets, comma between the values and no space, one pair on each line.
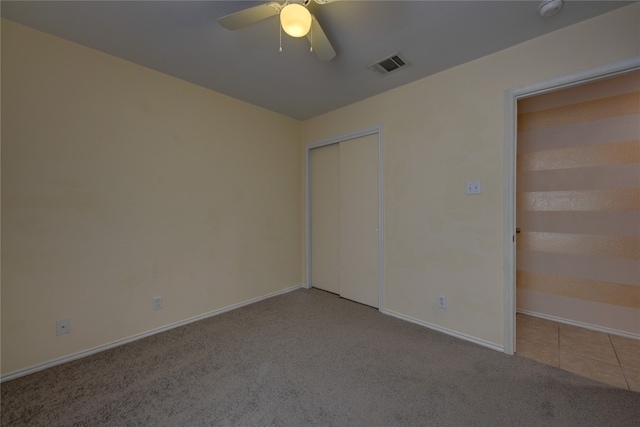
[335,140]
[509,167]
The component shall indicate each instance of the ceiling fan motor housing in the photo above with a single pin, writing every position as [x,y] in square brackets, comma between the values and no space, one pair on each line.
[295,19]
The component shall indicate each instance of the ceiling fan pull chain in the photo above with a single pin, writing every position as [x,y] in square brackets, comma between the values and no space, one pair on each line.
[311,39]
[280,25]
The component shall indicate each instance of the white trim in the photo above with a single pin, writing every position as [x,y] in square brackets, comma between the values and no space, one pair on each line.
[334,140]
[509,164]
[509,153]
[581,324]
[307,219]
[380,221]
[451,332]
[85,353]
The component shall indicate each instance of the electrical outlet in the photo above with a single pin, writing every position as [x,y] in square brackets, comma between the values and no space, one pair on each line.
[63,326]
[442,301]
[157,303]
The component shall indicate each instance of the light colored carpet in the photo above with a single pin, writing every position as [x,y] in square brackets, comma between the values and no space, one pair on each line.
[310,358]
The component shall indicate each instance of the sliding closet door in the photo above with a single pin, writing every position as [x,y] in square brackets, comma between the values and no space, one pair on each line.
[359,220]
[344,219]
[324,164]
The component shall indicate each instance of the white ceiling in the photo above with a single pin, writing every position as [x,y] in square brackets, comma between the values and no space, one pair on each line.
[183,39]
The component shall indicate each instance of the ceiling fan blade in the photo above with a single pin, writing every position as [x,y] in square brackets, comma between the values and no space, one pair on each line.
[319,41]
[249,16]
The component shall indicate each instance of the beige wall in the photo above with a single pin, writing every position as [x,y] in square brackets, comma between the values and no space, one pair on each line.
[120,184]
[447,129]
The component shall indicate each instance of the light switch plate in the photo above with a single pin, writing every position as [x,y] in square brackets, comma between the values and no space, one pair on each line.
[474,187]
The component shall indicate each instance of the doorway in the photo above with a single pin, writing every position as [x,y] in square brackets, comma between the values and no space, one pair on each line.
[511,99]
[577,241]
[577,205]
[344,217]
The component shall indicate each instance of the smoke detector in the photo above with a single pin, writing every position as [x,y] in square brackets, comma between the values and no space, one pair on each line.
[548,8]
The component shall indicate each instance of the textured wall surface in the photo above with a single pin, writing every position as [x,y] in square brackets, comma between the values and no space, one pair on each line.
[120,184]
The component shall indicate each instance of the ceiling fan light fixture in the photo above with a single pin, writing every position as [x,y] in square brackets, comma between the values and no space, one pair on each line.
[295,20]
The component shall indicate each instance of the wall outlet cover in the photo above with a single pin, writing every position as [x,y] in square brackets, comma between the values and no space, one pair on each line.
[63,326]
[442,301]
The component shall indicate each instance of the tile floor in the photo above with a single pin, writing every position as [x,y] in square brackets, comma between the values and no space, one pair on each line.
[607,358]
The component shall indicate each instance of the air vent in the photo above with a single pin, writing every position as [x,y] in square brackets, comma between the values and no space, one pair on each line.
[389,64]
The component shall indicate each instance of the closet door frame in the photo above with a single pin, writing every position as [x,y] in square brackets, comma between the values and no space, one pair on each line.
[376,130]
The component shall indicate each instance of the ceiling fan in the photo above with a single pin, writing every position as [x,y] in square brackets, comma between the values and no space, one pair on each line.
[295,20]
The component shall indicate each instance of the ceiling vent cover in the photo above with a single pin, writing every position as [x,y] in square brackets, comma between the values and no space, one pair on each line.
[389,64]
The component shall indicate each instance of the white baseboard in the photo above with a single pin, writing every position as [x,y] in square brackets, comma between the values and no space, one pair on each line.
[85,353]
[488,344]
[580,324]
